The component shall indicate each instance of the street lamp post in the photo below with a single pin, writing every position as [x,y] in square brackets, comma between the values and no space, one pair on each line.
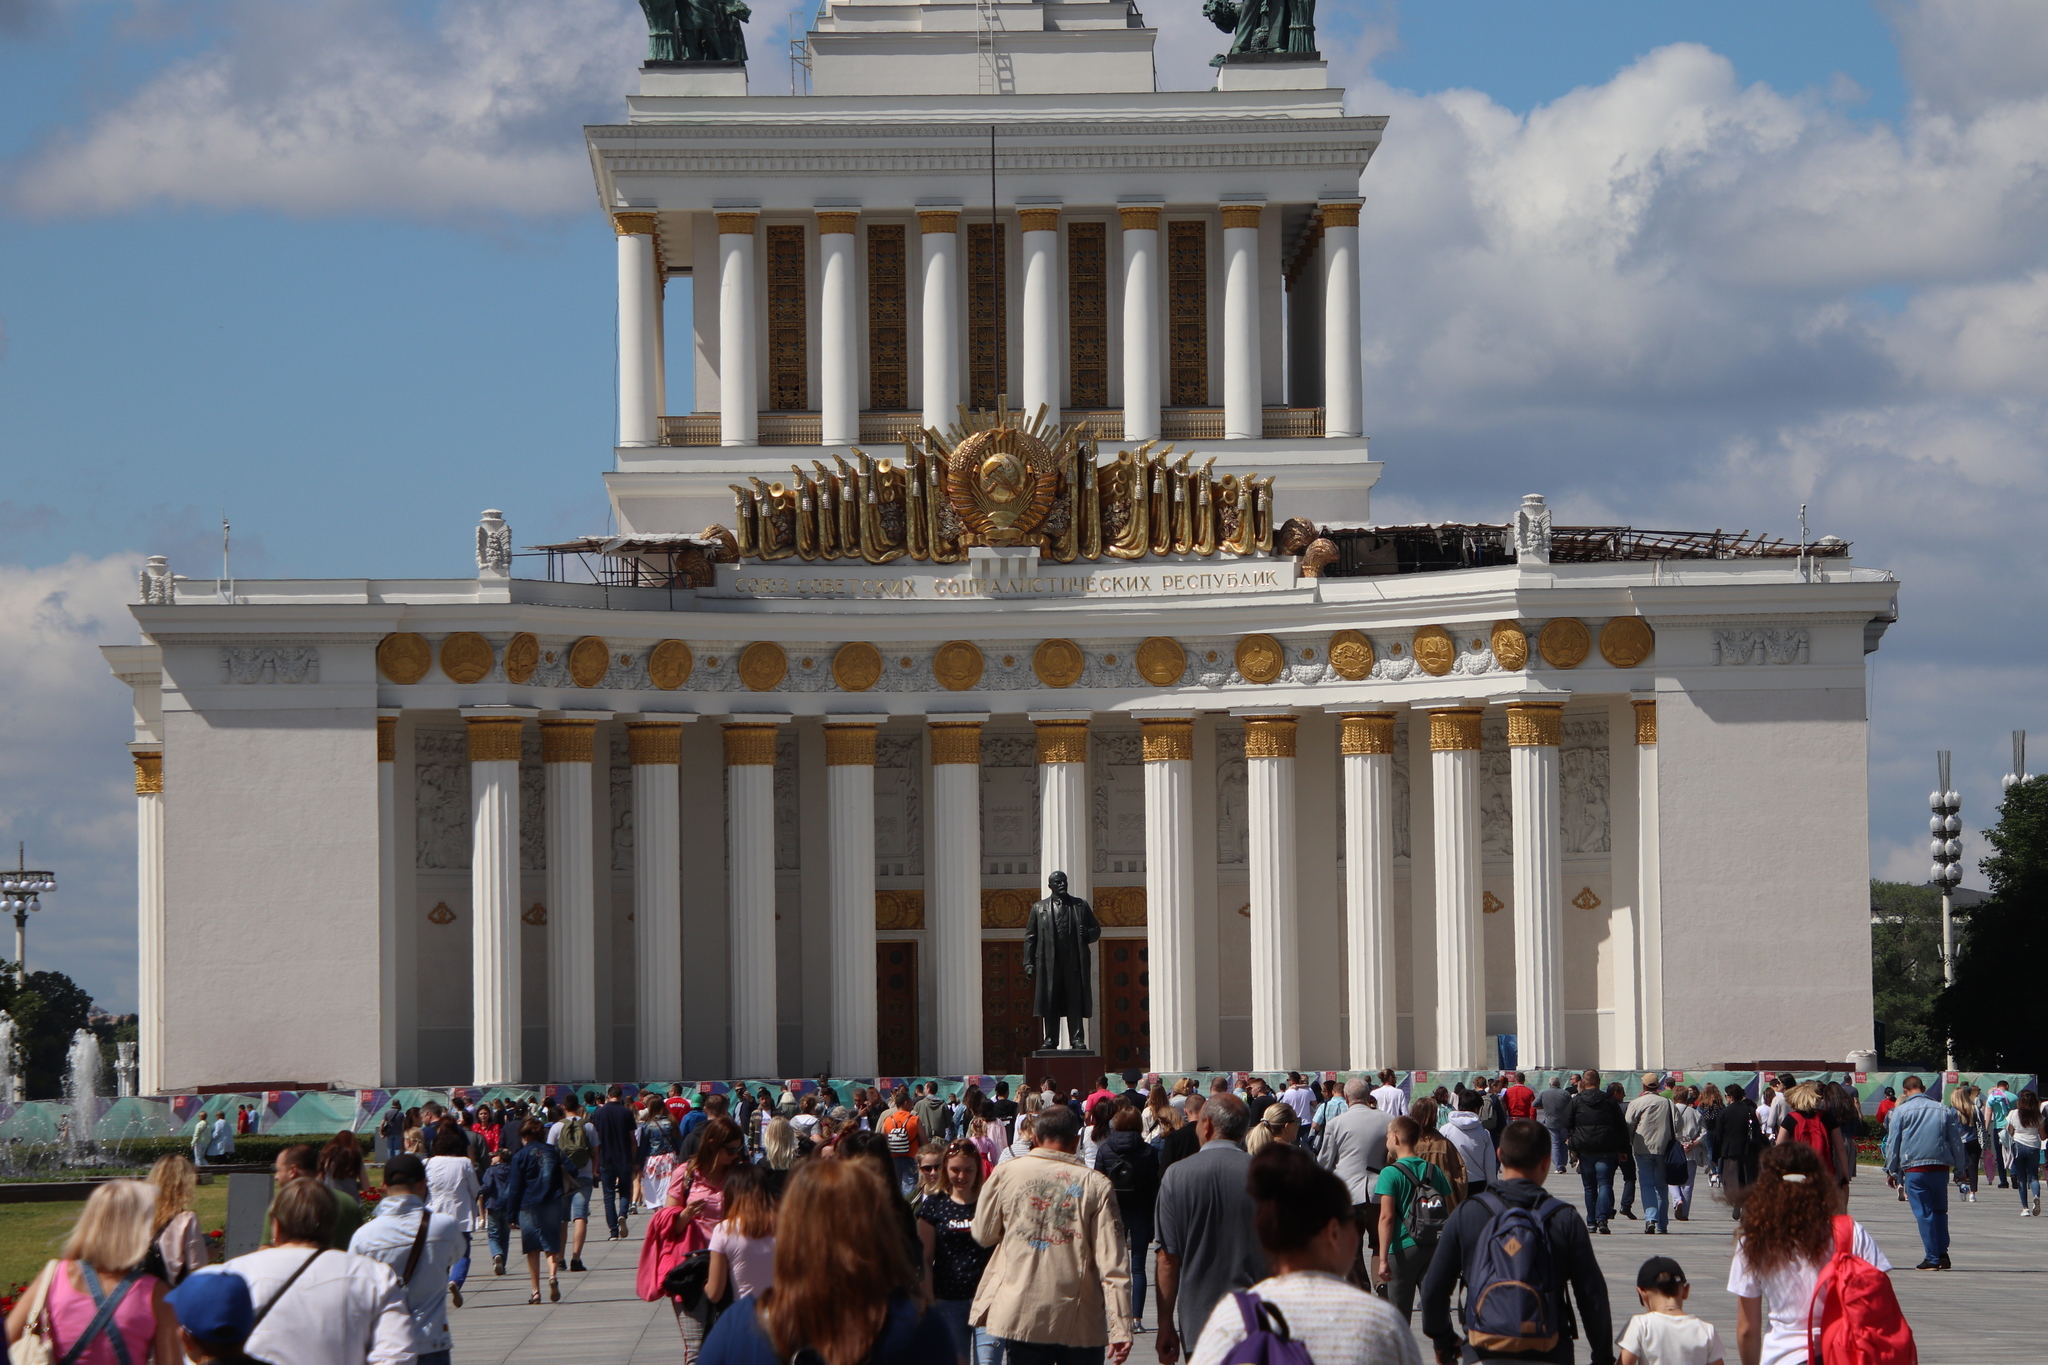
[1946,846]
[18,892]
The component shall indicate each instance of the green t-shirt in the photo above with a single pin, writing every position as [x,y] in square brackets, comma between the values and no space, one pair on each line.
[1403,1188]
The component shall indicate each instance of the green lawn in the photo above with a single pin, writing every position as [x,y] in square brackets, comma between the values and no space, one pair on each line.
[31,1233]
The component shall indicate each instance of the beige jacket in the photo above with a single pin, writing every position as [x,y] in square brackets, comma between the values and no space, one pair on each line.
[1061,1273]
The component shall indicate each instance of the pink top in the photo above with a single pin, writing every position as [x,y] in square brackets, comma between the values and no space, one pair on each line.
[71,1311]
[751,1260]
[669,1238]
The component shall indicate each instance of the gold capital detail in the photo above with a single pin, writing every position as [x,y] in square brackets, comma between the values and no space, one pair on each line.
[938,220]
[849,746]
[1646,722]
[1339,215]
[956,742]
[567,741]
[149,773]
[1269,736]
[404,657]
[1062,741]
[736,224]
[1368,732]
[1167,739]
[1241,215]
[654,741]
[387,739]
[1039,219]
[1454,728]
[495,739]
[633,224]
[749,745]
[837,221]
[1535,724]
[1139,220]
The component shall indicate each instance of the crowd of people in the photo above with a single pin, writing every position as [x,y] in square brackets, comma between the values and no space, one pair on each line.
[915,1227]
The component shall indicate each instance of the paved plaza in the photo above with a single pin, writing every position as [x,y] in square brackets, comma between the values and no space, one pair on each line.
[1972,1315]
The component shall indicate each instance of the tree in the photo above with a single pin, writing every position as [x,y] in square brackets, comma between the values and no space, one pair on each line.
[1905,969]
[1989,1012]
[48,1009]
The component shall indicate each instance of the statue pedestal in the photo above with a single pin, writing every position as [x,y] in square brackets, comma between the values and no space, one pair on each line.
[1271,72]
[693,78]
[1067,1069]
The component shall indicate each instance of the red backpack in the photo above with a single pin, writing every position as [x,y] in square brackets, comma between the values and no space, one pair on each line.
[1860,1323]
[1808,1128]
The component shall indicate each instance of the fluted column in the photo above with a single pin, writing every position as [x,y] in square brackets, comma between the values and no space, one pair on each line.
[1534,732]
[1243,377]
[750,822]
[941,236]
[1141,322]
[739,422]
[149,914]
[1649,892]
[1276,935]
[639,331]
[1063,813]
[850,813]
[838,340]
[494,898]
[1041,242]
[1169,749]
[1343,339]
[565,750]
[1460,949]
[655,749]
[390,850]
[955,895]
[1368,746]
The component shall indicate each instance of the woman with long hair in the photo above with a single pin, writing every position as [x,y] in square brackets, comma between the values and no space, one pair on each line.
[103,1258]
[844,1289]
[1709,1105]
[952,1259]
[177,1246]
[1432,1146]
[2023,1127]
[1963,1099]
[743,1243]
[341,1165]
[1027,1132]
[778,1153]
[1096,1130]
[1133,1170]
[1279,1123]
[1787,1233]
[453,1188]
[695,1207]
[1159,1119]
[655,1142]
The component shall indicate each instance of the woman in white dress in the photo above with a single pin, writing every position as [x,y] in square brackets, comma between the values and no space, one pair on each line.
[452,1188]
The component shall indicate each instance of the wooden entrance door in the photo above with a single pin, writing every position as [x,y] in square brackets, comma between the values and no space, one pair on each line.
[1009,1033]
[896,1008]
[1126,1005]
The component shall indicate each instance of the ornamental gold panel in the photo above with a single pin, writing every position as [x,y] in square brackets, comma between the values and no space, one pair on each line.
[1564,643]
[669,665]
[736,224]
[930,221]
[535,914]
[1167,738]
[466,657]
[956,742]
[763,666]
[1269,736]
[1491,904]
[1007,907]
[1039,219]
[654,742]
[837,221]
[1586,900]
[1535,724]
[1240,216]
[404,657]
[633,224]
[522,657]
[1161,661]
[1454,729]
[495,739]
[1058,663]
[1510,646]
[957,665]
[568,741]
[441,914]
[1626,641]
[387,739]
[1062,741]
[850,746]
[1350,653]
[149,772]
[898,910]
[1260,658]
[1120,907]
[1435,651]
[590,658]
[1138,219]
[1368,732]
[750,744]
[1646,722]
[1339,215]
[857,666]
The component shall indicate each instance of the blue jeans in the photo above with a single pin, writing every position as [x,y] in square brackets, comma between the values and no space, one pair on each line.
[1656,1195]
[1034,1353]
[431,1358]
[906,1174]
[1927,1196]
[971,1345]
[2026,1173]
[540,1227]
[1596,1172]
[459,1272]
[499,1232]
[618,1197]
[1138,1228]
[1558,1153]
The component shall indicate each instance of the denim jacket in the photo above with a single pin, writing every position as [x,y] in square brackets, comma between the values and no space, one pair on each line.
[536,1177]
[1922,1132]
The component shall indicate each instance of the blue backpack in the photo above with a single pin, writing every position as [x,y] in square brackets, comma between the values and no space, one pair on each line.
[1267,1340]
[1511,1283]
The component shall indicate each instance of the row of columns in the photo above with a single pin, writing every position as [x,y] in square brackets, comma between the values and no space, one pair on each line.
[841,341]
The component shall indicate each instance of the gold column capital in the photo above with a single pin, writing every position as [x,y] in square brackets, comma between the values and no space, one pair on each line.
[1139,219]
[1269,736]
[633,224]
[1167,738]
[956,741]
[1242,215]
[1062,741]
[1535,724]
[1339,215]
[934,222]
[387,739]
[567,741]
[1368,732]
[149,774]
[1039,219]
[1454,728]
[850,745]
[736,224]
[654,741]
[750,744]
[495,739]
[1646,723]
[836,221]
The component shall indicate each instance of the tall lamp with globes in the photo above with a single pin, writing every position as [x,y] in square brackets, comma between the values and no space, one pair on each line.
[18,892]
[1946,846]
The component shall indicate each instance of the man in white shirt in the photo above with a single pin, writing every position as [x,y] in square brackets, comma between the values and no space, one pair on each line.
[1391,1098]
[1302,1100]
[315,1305]
[393,1237]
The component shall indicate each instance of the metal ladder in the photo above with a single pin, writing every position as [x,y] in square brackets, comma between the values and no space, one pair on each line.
[985,45]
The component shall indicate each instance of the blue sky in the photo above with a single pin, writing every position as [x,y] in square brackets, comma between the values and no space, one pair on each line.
[336,267]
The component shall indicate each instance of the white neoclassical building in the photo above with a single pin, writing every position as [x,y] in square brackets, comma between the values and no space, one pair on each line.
[1022,524]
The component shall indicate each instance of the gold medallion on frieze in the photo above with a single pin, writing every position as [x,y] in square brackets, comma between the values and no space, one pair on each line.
[669,665]
[1260,658]
[1058,663]
[466,657]
[857,666]
[404,657]
[1006,908]
[763,666]
[1626,641]
[1435,650]
[1510,646]
[522,656]
[589,660]
[1564,643]
[1351,655]
[957,665]
[1161,661]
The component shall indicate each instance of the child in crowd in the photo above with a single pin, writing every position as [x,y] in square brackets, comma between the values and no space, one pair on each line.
[1667,1334]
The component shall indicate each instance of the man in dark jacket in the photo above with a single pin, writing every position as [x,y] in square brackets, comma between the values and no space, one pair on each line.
[1735,1144]
[1524,1166]
[1597,1133]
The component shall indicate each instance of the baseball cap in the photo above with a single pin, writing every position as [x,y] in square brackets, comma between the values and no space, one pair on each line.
[404,1169]
[214,1306]
[1660,1273]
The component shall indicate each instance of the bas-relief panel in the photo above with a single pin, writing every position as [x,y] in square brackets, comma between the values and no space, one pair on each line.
[786,844]
[441,799]
[622,805]
[1233,823]
[1496,821]
[1400,786]
[533,843]
[1009,804]
[1582,762]
[899,805]
[1117,801]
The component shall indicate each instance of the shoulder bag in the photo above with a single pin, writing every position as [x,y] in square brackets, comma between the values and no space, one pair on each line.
[34,1347]
[283,1289]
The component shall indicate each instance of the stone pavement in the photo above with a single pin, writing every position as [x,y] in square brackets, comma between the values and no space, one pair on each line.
[1972,1315]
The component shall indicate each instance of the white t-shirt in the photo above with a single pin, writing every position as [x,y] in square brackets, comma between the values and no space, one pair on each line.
[2025,1137]
[1671,1339]
[1339,1325]
[1787,1293]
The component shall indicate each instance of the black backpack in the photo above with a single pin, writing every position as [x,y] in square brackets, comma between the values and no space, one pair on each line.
[1123,1176]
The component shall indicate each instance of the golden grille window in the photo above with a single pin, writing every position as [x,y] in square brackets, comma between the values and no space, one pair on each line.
[788,358]
[985,314]
[1088,315]
[1187,293]
[888,325]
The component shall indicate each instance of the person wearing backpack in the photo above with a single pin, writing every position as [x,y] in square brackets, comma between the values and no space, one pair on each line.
[1133,1170]
[573,1138]
[1517,1250]
[1415,1201]
[1822,1273]
[905,1136]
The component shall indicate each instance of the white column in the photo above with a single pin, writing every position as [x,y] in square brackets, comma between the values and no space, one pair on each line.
[1063,823]
[850,815]
[639,307]
[750,825]
[1041,241]
[389,851]
[955,896]
[1368,744]
[941,231]
[838,340]
[1534,730]
[739,421]
[1275,961]
[1169,748]
[1649,895]
[1343,341]
[1243,378]
[1141,323]
[1460,948]
[494,899]
[655,750]
[565,751]
[149,914]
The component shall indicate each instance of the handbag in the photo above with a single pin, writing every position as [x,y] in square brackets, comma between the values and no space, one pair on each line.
[34,1348]
[1677,1165]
